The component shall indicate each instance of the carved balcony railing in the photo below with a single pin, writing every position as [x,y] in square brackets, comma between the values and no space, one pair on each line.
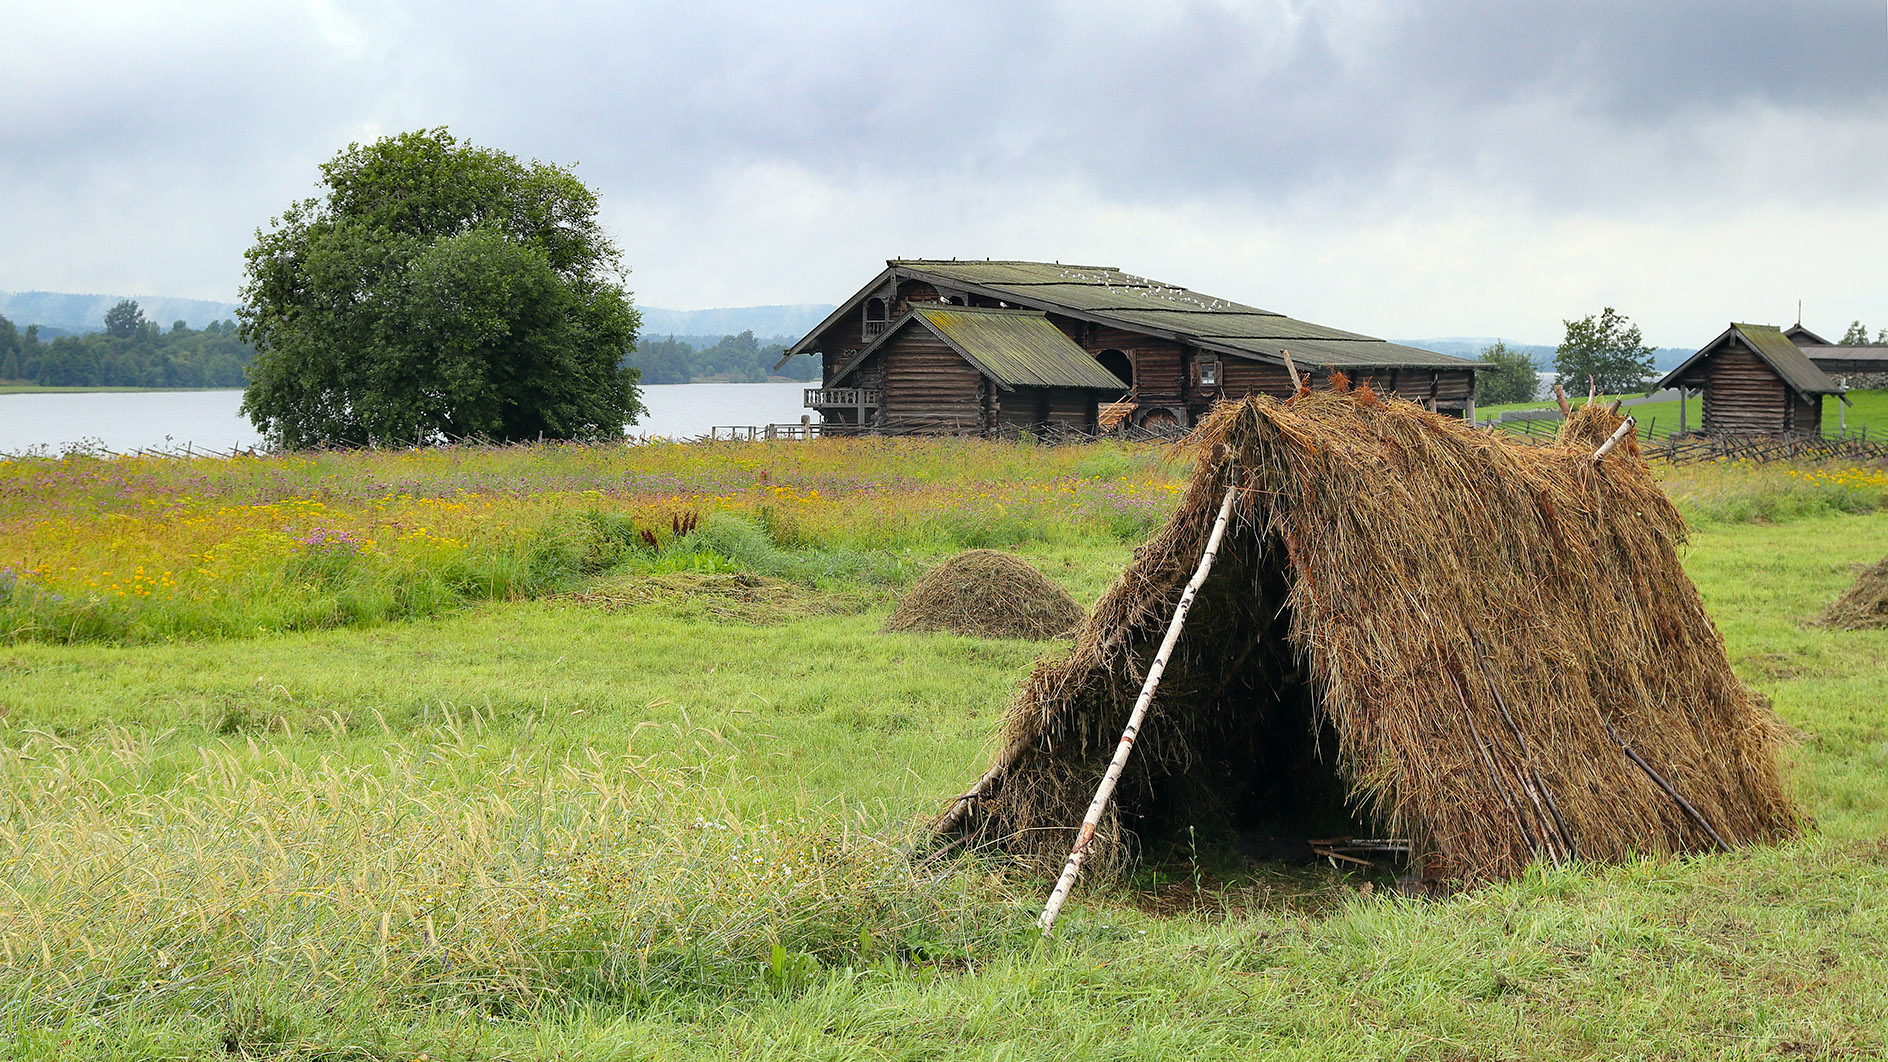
[816,397]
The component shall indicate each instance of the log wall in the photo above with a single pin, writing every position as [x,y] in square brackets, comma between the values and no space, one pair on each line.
[928,386]
[1742,394]
[1027,407]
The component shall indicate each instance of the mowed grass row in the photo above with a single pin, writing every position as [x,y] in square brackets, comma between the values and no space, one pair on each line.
[677,825]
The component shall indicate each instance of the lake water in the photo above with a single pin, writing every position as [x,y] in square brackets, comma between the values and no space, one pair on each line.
[133,420]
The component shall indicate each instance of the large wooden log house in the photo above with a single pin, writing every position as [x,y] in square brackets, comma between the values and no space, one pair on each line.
[1839,360]
[1755,381]
[983,347]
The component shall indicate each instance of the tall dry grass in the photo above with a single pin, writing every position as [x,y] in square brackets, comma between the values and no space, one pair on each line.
[434,873]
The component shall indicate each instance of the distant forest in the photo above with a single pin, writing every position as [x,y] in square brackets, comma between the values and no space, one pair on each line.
[135,352]
[130,352]
[741,359]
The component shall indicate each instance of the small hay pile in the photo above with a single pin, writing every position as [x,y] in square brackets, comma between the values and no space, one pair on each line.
[1864,605]
[988,594]
[1448,637]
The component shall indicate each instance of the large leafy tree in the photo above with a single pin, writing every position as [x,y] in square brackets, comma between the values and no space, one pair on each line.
[124,320]
[1514,377]
[1607,348]
[438,289]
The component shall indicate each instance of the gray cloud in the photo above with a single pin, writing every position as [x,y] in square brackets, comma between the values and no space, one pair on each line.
[752,148]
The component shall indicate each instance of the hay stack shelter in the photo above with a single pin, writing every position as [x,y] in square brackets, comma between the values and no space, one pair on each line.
[1414,630]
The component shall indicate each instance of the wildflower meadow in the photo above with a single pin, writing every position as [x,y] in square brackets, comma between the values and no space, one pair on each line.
[600,752]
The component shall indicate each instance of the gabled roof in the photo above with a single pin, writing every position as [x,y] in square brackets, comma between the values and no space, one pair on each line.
[1016,348]
[1779,353]
[1106,295]
[1838,352]
[1801,336]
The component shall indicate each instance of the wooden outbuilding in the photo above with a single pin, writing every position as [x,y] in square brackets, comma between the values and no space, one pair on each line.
[1165,354]
[1755,381]
[1839,360]
[961,370]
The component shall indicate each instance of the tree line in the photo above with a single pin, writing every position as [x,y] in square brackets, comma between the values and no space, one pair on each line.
[130,352]
[742,359]
[1857,336]
[1605,347]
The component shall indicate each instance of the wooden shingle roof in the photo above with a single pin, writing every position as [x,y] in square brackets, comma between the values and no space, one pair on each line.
[1106,295]
[1769,343]
[1016,348]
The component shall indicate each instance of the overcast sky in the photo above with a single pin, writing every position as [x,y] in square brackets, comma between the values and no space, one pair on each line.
[1480,167]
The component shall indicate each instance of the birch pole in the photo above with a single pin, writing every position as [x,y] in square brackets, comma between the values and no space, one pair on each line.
[1106,793]
[1625,428]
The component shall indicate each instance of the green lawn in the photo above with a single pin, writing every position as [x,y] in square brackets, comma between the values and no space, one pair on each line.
[1868,409]
[554,829]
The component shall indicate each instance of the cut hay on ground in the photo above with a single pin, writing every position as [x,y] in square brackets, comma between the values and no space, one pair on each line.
[1864,605]
[720,595]
[990,594]
[1415,630]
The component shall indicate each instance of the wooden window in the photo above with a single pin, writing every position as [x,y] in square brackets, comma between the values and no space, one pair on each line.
[1209,373]
[874,316]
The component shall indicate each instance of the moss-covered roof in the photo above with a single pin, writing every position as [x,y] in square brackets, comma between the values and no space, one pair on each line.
[1770,344]
[1016,348]
[1140,304]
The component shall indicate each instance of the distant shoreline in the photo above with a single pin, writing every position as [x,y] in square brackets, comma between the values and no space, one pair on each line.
[35,389]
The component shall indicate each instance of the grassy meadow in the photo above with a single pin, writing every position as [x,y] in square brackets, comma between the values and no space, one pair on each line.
[1867,410]
[588,752]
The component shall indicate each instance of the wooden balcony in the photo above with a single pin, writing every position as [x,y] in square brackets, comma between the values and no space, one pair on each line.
[850,397]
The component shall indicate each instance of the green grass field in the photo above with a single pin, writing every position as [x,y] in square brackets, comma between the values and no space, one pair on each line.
[1866,410]
[593,796]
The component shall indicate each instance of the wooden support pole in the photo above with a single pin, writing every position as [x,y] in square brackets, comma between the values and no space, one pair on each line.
[960,809]
[1625,428]
[1106,792]
[1297,385]
[1659,780]
[1560,396]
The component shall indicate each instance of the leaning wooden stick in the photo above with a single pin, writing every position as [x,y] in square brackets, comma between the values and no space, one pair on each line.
[960,810]
[1625,428]
[1297,385]
[1691,812]
[1102,795]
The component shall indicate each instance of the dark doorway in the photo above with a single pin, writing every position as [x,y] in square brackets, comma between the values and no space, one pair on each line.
[1119,364]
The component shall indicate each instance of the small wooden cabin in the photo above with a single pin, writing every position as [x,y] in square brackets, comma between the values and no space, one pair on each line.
[1167,354]
[1755,381]
[961,370]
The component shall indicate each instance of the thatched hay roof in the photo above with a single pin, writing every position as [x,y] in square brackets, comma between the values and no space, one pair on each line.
[1456,620]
